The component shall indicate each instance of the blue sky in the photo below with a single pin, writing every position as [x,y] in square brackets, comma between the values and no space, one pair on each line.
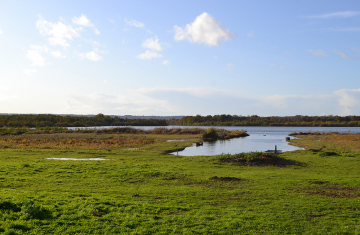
[180,57]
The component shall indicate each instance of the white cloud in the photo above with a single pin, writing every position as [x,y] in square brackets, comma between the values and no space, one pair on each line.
[35,57]
[356,49]
[350,29]
[205,29]
[152,44]
[342,14]
[84,21]
[58,54]
[349,100]
[59,32]
[317,52]
[0,31]
[91,56]
[250,34]
[166,62]
[272,64]
[230,66]
[135,23]
[58,41]
[148,55]
[215,57]
[283,67]
[342,54]
[39,48]
[29,71]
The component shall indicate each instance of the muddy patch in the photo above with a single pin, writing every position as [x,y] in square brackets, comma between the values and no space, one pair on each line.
[78,159]
[224,178]
[257,160]
[327,189]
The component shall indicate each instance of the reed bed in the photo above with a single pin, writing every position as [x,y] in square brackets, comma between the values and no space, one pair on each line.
[68,143]
[330,141]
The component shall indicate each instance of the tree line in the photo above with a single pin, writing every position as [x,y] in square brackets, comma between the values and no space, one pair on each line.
[49,120]
[254,120]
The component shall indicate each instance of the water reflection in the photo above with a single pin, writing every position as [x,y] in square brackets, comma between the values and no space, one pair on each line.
[254,142]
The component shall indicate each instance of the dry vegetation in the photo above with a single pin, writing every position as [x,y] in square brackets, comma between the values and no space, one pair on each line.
[345,142]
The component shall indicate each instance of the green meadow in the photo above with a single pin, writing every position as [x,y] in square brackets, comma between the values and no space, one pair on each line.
[141,189]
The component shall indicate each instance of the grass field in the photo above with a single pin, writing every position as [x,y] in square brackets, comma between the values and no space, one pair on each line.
[142,190]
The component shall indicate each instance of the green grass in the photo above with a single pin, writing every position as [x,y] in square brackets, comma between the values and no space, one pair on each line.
[144,191]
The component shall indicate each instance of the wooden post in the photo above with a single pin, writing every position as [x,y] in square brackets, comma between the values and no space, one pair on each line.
[275,149]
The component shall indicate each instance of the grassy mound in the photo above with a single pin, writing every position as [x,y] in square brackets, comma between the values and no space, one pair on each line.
[254,159]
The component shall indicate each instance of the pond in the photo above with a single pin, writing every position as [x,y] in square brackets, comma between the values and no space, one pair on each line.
[261,138]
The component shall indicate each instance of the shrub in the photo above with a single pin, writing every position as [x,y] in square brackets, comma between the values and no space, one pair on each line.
[210,134]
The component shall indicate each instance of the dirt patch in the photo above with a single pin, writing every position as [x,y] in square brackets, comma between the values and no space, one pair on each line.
[224,178]
[262,160]
[318,182]
[332,190]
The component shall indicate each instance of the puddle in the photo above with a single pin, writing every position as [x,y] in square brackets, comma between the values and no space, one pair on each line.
[78,159]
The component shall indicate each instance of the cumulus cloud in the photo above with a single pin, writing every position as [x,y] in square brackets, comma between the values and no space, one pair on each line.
[40,48]
[317,52]
[341,14]
[35,57]
[342,54]
[349,100]
[152,44]
[29,71]
[84,21]
[166,62]
[58,54]
[92,55]
[148,55]
[205,29]
[135,23]
[58,32]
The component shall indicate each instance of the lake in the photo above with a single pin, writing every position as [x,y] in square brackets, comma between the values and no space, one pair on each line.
[261,138]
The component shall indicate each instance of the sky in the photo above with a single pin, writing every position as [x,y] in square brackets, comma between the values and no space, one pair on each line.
[266,58]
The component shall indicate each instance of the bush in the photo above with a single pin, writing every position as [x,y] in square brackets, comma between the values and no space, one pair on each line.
[210,134]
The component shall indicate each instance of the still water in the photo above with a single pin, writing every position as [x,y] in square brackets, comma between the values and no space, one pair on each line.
[260,139]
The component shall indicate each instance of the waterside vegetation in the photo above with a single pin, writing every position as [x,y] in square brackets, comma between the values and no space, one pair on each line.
[50,120]
[254,120]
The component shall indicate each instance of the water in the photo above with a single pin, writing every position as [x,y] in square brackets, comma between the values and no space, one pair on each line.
[261,138]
